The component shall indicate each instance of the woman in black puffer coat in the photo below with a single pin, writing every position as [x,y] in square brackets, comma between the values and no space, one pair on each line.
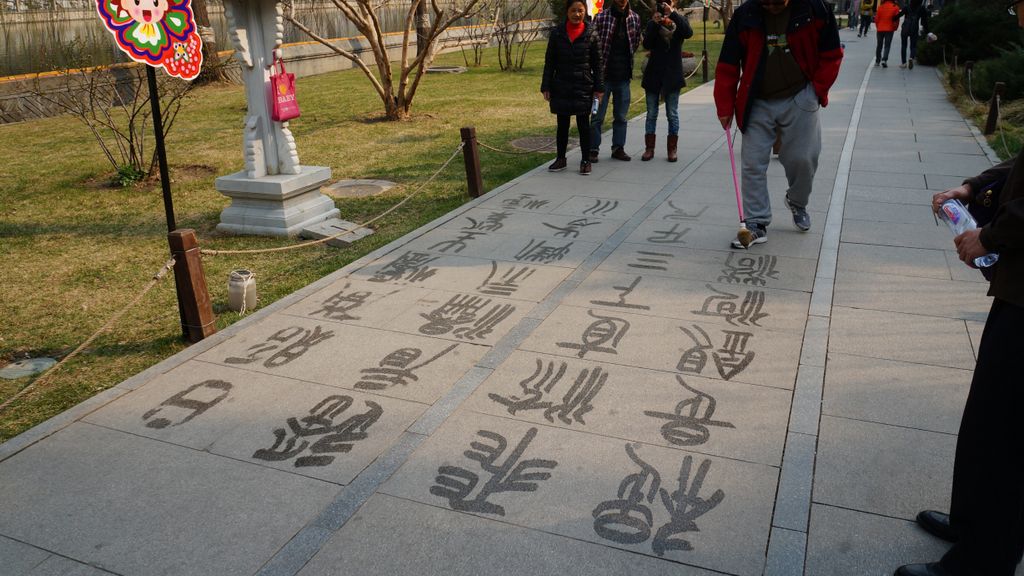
[663,75]
[572,79]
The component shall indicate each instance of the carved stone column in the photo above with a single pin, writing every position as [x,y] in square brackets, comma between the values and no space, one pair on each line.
[274,195]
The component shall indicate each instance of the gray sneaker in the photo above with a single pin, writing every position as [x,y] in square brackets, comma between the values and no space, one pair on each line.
[759,234]
[801,218]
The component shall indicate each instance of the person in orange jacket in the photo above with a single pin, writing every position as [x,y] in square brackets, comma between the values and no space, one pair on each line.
[887,21]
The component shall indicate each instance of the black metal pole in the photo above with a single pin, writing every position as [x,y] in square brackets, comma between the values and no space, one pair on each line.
[158,131]
[704,53]
[165,183]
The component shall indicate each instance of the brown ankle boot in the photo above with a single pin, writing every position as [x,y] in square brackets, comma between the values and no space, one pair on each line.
[673,142]
[649,141]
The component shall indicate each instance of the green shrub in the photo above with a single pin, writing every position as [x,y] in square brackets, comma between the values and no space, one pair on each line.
[959,27]
[1007,68]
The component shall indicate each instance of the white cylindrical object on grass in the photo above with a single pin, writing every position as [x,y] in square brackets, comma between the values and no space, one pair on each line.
[241,290]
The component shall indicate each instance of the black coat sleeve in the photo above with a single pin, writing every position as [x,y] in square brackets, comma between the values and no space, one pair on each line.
[548,77]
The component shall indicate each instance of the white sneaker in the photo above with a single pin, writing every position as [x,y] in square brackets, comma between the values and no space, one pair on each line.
[903,65]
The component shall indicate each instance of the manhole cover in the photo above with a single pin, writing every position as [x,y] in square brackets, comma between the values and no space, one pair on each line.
[540,143]
[446,69]
[26,367]
[357,188]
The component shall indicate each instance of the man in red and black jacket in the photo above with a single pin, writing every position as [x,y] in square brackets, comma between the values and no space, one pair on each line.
[778,62]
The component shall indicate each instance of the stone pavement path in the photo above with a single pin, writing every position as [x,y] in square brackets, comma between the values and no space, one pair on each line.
[570,375]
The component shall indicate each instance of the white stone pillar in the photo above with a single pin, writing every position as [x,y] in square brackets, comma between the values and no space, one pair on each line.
[274,195]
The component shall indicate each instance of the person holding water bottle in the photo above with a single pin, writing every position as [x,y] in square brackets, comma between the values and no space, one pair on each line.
[986,511]
[572,80]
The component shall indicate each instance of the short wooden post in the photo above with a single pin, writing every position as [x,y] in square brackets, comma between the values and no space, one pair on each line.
[197,319]
[993,108]
[471,154]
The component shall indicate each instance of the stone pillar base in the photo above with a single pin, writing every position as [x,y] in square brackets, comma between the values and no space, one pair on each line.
[280,205]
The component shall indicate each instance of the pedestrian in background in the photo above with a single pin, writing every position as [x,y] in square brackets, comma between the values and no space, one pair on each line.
[887,20]
[572,79]
[986,510]
[852,11]
[915,22]
[618,29]
[663,76]
[867,13]
[778,61]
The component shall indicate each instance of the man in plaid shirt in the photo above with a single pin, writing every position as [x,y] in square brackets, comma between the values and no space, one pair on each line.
[618,30]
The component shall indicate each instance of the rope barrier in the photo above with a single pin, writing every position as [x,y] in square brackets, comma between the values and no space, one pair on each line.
[516,152]
[46,375]
[1002,133]
[358,226]
[970,85]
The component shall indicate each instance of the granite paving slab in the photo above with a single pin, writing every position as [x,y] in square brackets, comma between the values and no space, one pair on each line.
[564,252]
[893,260]
[583,205]
[462,317]
[544,194]
[597,489]
[906,337]
[59,566]
[137,506]
[401,538]
[891,195]
[898,393]
[851,543]
[727,266]
[887,470]
[359,302]
[760,356]
[519,281]
[888,212]
[712,417]
[294,426]
[783,238]
[587,229]
[938,182]
[884,179]
[897,293]
[696,300]
[410,367]
[18,558]
[975,330]
[892,234]
[962,272]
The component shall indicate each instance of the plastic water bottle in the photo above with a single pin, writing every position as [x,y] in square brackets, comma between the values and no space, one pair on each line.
[593,107]
[955,214]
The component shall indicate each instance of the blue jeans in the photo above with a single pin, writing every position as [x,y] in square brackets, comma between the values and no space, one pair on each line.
[618,91]
[671,111]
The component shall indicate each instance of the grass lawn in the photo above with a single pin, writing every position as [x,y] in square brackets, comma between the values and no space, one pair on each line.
[1009,136]
[73,250]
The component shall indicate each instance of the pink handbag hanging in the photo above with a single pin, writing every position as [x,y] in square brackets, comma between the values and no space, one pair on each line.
[282,87]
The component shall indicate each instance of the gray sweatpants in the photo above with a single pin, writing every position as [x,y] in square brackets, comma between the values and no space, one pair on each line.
[797,121]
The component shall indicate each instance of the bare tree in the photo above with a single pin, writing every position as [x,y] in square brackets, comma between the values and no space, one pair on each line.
[366,15]
[213,69]
[114,104]
[515,32]
[477,38]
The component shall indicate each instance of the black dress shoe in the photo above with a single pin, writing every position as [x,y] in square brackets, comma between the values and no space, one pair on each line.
[930,569]
[937,524]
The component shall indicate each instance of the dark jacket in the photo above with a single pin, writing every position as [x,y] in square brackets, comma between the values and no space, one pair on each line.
[572,71]
[813,38]
[915,18]
[664,71]
[1005,233]
[604,26]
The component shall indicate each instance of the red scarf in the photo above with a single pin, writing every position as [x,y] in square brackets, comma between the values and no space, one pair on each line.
[574,30]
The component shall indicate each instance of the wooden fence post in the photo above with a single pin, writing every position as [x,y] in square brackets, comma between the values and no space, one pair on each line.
[993,108]
[471,154]
[197,319]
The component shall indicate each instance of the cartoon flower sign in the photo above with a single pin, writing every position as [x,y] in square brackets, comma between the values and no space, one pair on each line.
[155,32]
